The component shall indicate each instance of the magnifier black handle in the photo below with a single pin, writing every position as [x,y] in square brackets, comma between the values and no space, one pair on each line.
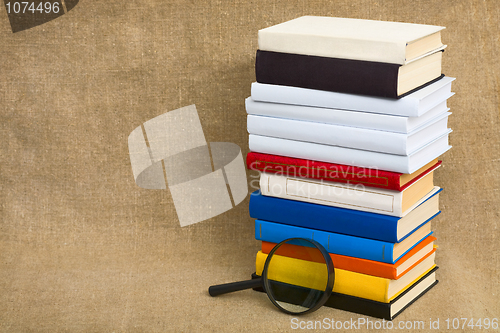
[234,286]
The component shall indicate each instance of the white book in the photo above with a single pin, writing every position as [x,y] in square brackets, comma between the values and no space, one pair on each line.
[375,121]
[350,156]
[357,39]
[350,137]
[412,105]
[359,197]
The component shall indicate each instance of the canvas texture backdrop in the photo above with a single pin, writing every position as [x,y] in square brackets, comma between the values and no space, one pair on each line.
[84,249]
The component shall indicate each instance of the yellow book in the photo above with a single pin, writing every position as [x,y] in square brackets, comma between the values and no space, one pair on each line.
[313,275]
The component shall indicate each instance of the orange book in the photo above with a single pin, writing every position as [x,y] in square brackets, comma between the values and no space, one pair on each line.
[376,268]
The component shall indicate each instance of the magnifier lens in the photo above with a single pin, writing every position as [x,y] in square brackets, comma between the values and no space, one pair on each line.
[297,277]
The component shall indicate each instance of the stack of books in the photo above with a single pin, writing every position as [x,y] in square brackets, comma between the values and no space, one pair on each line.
[347,121]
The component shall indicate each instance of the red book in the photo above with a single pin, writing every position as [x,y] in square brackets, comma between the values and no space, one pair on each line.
[336,172]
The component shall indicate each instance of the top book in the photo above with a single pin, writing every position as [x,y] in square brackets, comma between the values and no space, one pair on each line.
[356,39]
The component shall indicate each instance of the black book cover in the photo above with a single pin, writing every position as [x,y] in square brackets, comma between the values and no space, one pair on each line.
[330,74]
[354,304]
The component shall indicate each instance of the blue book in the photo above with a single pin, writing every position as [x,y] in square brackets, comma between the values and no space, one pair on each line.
[346,245]
[341,220]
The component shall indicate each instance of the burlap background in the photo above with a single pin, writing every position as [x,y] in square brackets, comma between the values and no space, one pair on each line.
[82,248]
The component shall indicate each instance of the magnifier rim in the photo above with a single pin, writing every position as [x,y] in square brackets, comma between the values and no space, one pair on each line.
[329,285]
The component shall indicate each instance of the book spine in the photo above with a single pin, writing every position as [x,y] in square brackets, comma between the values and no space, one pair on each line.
[406,107]
[332,154]
[323,171]
[353,264]
[299,272]
[325,73]
[336,47]
[353,304]
[334,243]
[363,306]
[332,194]
[359,305]
[326,218]
[343,136]
[349,156]
[375,121]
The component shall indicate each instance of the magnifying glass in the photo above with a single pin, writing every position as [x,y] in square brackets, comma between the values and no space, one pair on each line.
[293,288]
